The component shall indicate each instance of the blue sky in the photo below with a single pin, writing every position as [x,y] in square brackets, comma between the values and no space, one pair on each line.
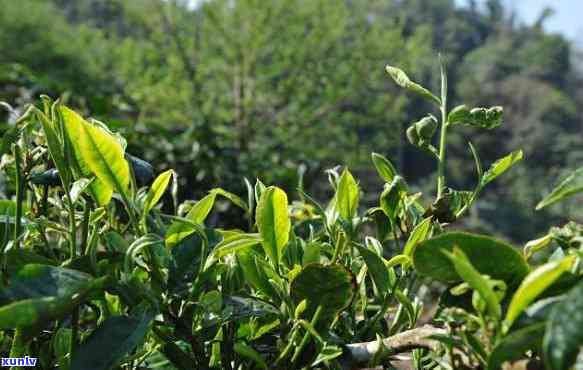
[568,17]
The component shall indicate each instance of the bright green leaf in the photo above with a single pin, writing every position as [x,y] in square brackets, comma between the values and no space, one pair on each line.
[384,167]
[74,129]
[533,285]
[419,234]
[105,157]
[500,166]
[273,222]
[347,196]
[157,190]
[250,353]
[470,275]
[572,185]
[536,245]
[403,80]
[233,244]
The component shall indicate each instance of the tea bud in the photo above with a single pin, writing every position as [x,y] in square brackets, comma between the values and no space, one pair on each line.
[426,127]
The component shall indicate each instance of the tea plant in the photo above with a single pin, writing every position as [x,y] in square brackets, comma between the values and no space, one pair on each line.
[95,275]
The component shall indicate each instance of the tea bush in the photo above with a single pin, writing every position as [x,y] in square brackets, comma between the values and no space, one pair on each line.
[96,276]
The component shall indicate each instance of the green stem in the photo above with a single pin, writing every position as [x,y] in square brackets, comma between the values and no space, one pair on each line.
[307,335]
[443,134]
[441,161]
[72,227]
[74,330]
[18,348]
[85,227]
[286,351]
[19,197]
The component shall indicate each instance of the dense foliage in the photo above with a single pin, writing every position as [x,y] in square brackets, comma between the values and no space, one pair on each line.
[283,90]
[97,275]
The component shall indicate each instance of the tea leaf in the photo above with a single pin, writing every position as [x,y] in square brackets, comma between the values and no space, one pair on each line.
[403,80]
[55,145]
[488,256]
[180,229]
[106,347]
[470,275]
[564,338]
[100,191]
[233,244]
[78,188]
[331,286]
[500,166]
[419,234]
[201,209]
[514,346]
[329,352]
[40,309]
[377,268]
[105,157]
[248,352]
[572,185]
[533,285]
[384,167]
[392,197]
[157,190]
[236,200]
[537,244]
[273,222]
[347,196]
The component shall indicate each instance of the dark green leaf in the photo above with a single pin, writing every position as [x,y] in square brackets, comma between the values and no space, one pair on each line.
[377,269]
[564,338]
[331,286]
[515,345]
[489,256]
[107,346]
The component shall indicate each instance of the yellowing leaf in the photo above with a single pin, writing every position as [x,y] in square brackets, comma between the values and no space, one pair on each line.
[105,157]
[73,124]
